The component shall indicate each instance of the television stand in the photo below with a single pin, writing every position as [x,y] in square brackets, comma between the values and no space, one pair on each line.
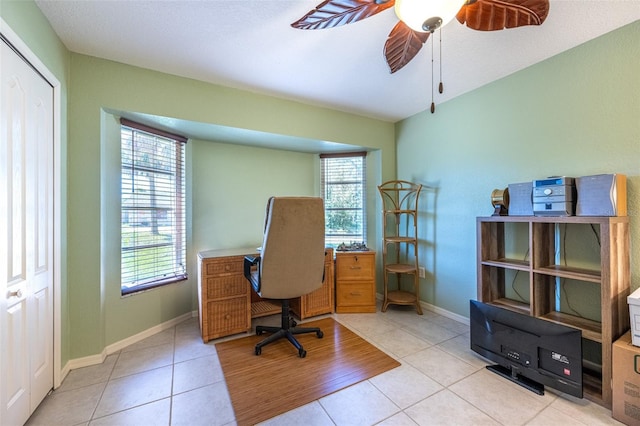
[512,375]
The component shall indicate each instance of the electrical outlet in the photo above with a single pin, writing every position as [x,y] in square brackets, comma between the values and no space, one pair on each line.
[421,272]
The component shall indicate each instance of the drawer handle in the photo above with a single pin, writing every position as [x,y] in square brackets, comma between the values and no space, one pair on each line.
[355,267]
[355,294]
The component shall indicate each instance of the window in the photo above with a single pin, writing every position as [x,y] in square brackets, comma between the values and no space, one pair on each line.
[344,192]
[153,241]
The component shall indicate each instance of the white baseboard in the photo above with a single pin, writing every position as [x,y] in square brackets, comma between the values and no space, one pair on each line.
[444,312]
[86,361]
[437,310]
[115,347]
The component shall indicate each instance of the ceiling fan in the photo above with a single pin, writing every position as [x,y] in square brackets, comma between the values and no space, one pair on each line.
[420,18]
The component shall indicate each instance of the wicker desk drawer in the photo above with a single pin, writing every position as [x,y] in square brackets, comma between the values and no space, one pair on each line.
[226,286]
[224,266]
[227,316]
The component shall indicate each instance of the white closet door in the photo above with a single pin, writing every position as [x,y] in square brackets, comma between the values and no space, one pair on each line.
[26,237]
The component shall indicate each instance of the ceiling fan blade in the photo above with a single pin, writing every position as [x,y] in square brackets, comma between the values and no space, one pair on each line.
[402,45]
[333,13]
[492,15]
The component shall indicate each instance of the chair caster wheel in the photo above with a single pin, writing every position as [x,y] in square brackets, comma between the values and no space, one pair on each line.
[302,353]
[259,332]
[320,334]
[293,323]
[258,351]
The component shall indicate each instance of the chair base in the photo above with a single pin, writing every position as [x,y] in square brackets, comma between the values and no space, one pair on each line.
[285,331]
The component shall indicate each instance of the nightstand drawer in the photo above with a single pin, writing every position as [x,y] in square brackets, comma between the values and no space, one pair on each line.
[356,266]
[355,294]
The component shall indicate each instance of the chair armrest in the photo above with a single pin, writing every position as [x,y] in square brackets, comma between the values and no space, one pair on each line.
[254,279]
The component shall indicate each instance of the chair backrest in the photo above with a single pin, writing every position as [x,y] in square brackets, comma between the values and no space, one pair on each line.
[292,254]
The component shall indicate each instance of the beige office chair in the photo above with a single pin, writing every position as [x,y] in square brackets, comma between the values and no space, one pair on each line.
[291,263]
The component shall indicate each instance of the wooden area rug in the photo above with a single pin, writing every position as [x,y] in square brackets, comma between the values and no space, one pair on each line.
[278,380]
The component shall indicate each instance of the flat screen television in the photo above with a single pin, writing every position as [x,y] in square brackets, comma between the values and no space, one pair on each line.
[529,351]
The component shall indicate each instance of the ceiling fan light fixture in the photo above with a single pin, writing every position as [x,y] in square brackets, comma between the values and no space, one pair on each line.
[427,15]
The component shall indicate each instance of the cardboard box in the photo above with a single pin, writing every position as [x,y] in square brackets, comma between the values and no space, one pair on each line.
[626,381]
[634,316]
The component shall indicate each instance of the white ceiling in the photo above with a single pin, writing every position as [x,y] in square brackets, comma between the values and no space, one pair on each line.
[249,44]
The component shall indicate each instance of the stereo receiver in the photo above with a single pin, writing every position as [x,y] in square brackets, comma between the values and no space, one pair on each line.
[554,196]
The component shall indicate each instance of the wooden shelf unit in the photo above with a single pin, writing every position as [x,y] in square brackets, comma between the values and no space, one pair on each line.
[400,243]
[612,276]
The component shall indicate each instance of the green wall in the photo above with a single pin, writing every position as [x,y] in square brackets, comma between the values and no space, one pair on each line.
[227,186]
[233,185]
[575,114]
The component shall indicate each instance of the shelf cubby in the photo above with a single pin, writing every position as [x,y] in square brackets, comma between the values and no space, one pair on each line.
[549,264]
[521,265]
[570,272]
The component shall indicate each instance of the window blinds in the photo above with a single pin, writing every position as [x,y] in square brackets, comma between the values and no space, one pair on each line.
[153,237]
[344,186]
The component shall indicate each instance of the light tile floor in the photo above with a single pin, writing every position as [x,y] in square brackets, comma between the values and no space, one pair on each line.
[172,378]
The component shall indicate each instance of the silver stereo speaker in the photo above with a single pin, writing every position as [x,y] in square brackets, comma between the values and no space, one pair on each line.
[602,195]
[520,201]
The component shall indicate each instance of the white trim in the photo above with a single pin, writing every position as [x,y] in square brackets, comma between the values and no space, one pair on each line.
[86,361]
[437,310]
[117,346]
[444,312]
[25,51]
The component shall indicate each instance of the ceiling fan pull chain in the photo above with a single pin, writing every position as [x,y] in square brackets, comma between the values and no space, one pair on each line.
[440,86]
[433,105]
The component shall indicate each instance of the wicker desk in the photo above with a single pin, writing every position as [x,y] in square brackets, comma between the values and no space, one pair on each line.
[227,302]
